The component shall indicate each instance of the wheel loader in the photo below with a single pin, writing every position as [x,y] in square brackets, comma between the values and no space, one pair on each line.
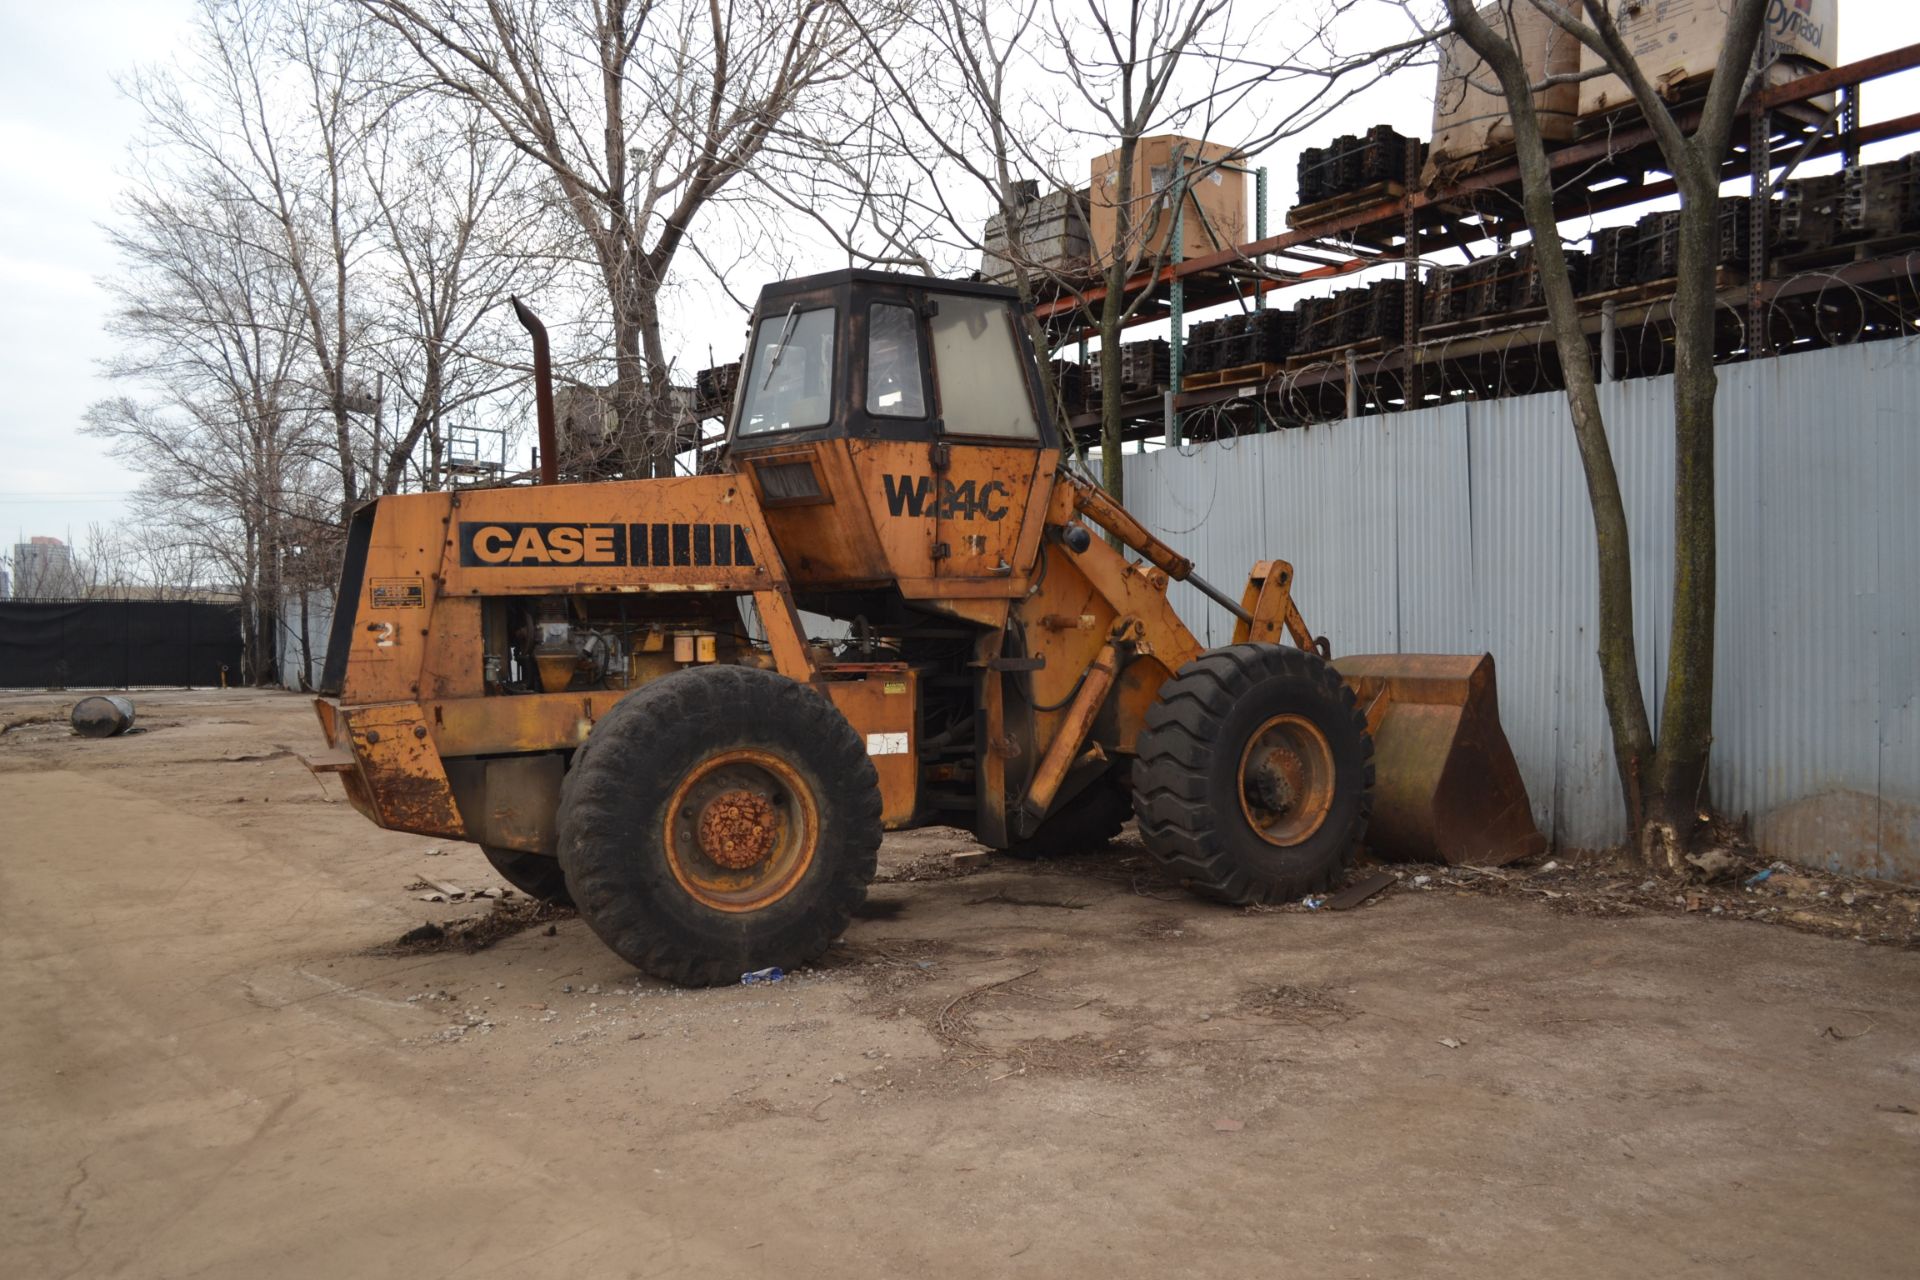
[611,688]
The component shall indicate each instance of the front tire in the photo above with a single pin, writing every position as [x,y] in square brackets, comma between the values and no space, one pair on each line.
[1254,777]
[719,820]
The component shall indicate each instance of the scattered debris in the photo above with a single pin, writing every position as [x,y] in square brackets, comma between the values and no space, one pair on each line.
[1715,864]
[1360,890]
[1897,1108]
[1301,1006]
[1836,1033]
[1228,1126]
[1450,1042]
[968,859]
[950,1025]
[758,976]
[1006,899]
[477,932]
[1611,883]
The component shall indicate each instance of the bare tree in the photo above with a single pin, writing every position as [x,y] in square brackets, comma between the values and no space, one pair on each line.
[451,215]
[1663,779]
[209,320]
[642,113]
[274,103]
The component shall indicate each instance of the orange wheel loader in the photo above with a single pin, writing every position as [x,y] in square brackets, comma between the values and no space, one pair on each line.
[610,687]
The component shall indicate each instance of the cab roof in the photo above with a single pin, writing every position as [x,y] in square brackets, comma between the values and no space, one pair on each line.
[891,279]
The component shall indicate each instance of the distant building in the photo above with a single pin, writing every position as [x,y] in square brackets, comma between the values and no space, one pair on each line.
[43,569]
[5,594]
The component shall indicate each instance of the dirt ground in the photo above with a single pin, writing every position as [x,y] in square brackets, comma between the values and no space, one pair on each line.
[218,1065]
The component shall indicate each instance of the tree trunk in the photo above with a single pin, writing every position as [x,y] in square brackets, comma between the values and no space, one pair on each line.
[662,418]
[1618,651]
[1113,311]
[1677,789]
[1112,478]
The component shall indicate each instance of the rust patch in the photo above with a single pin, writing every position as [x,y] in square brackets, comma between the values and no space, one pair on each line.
[737,829]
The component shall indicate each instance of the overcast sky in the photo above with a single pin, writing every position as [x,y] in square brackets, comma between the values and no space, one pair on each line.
[64,131]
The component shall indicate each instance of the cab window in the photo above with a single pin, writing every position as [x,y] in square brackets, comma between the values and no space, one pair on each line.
[789,381]
[895,388]
[983,384]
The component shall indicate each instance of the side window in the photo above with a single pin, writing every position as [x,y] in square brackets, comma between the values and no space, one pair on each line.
[895,387]
[983,384]
[789,380]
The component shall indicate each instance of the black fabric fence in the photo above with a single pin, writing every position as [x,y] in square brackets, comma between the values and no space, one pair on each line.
[117,643]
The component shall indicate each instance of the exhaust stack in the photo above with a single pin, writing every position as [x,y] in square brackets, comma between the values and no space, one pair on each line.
[542,391]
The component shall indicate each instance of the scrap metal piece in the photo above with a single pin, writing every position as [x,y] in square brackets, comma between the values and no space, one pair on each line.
[1359,891]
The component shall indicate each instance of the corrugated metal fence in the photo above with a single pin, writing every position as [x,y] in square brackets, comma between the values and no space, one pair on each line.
[1467,528]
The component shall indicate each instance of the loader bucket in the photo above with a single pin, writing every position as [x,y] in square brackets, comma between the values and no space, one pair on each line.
[1446,788]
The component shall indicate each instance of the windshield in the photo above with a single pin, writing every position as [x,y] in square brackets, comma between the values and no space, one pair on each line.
[789,381]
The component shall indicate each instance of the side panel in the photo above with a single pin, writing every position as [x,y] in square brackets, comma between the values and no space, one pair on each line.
[425,552]
[883,708]
[954,529]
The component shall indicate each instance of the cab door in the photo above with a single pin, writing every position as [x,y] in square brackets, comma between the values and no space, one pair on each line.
[986,450]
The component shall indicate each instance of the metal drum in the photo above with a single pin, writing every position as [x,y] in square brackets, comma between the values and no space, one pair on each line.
[102,716]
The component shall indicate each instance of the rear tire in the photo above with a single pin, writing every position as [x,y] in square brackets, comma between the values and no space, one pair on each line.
[719,820]
[537,875]
[1254,777]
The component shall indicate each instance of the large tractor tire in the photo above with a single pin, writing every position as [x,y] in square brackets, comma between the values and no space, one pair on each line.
[537,875]
[1254,776]
[1087,823]
[719,820]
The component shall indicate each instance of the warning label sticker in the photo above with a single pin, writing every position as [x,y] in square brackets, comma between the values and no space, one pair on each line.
[886,744]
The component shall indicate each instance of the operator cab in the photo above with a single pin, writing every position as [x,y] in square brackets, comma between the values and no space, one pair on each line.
[894,429]
[876,355]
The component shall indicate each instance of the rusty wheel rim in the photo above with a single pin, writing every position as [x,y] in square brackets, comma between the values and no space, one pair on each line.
[741,830]
[1286,780]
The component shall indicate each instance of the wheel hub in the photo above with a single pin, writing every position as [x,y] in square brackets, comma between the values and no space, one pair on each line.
[1271,780]
[738,829]
[741,829]
[1286,779]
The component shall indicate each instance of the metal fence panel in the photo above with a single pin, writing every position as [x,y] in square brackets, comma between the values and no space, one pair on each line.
[117,644]
[1467,527]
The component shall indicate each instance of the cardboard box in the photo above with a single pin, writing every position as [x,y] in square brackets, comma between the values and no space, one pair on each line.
[1470,116]
[1677,44]
[1216,204]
